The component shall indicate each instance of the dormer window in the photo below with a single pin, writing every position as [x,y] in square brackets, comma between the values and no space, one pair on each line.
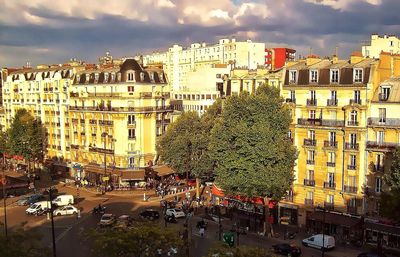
[385,92]
[78,78]
[358,74]
[161,76]
[131,76]
[334,76]
[96,77]
[105,77]
[313,76]
[292,76]
[142,76]
[152,76]
[87,78]
[119,76]
[112,77]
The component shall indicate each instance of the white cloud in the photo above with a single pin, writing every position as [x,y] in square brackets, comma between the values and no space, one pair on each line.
[342,4]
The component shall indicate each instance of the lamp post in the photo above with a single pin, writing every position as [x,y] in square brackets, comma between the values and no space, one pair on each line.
[323,230]
[50,190]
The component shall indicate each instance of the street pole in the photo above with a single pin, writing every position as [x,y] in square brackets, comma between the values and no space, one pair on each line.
[52,222]
[323,235]
[4,197]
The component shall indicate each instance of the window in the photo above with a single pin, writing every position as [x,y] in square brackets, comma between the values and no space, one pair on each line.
[292,95]
[152,76]
[311,154]
[334,76]
[312,114]
[378,185]
[384,95]
[353,160]
[331,178]
[311,134]
[353,139]
[142,76]
[130,76]
[313,76]
[357,97]
[106,77]
[131,162]
[96,77]
[333,95]
[310,175]
[292,76]
[131,89]
[310,195]
[312,95]
[380,137]
[391,43]
[332,137]
[379,162]
[131,133]
[131,119]
[353,117]
[332,157]
[352,181]
[330,199]
[358,73]
[382,115]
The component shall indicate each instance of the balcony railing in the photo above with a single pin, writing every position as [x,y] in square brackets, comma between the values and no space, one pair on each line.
[330,144]
[310,162]
[351,167]
[310,142]
[331,164]
[352,123]
[330,185]
[74,146]
[383,121]
[123,109]
[320,122]
[351,146]
[309,182]
[329,206]
[355,101]
[291,100]
[350,189]
[309,201]
[311,102]
[100,150]
[331,102]
[381,145]
[383,97]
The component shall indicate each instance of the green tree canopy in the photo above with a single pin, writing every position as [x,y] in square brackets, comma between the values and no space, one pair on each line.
[223,250]
[253,154]
[392,178]
[142,240]
[184,146]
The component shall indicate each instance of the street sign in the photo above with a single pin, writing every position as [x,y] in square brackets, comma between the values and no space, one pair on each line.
[229,238]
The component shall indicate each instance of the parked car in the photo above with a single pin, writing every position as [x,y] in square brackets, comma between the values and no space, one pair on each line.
[30,199]
[38,208]
[65,210]
[177,213]
[63,200]
[371,254]
[107,219]
[149,214]
[287,249]
[123,221]
[320,241]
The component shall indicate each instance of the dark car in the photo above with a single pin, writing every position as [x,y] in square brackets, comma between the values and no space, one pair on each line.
[371,254]
[149,214]
[30,199]
[287,249]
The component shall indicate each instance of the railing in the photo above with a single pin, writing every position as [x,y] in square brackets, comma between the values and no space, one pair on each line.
[310,162]
[311,102]
[320,122]
[351,167]
[122,109]
[72,94]
[309,182]
[290,100]
[352,123]
[355,101]
[166,121]
[330,144]
[331,164]
[381,145]
[106,122]
[329,206]
[132,138]
[383,122]
[351,146]
[132,123]
[100,150]
[145,95]
[309,201]
[93,122]
[331,102]
[310,142]
[350,189]
[330,185]
[74,146]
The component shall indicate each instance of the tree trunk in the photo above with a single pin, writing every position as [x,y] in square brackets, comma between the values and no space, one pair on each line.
[197,188]
[267,226]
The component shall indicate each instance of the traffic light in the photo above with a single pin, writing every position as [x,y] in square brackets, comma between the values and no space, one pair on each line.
[229,238]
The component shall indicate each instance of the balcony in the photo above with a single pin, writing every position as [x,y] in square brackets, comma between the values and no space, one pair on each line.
[132,138]
[350,189]
[100,150]
[131,123]
[309,182]
[320,122]
[93,122]
[383,97]
[376,168]
[82,121]
[310,142]
[352,167]
[331,164]
[310,162]
[74,146]
[311,102]
[330,185]
[291,100]
[330,144]
[106,122]
[145,95]
[93,134]
[355,101]
[309,201]
[332,102]
[72,94]
[351,146]
[147,109]
[165,121]
[329,206]
[352,123]
[381,146]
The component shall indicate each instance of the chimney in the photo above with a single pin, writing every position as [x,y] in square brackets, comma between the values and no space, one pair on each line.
[356,57]
[335,59]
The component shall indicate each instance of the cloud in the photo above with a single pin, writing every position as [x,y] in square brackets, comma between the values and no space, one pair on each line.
[86,29]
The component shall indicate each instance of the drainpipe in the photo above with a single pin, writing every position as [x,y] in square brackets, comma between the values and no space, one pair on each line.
[343,147]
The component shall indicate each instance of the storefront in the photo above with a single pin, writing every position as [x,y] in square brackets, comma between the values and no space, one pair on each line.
[387,235]
[288,214]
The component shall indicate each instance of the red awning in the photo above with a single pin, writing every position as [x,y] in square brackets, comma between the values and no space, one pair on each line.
[217,191]
[255,200]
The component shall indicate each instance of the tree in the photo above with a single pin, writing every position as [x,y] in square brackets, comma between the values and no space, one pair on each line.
[392,178]
[223,250]
[22,243]
[142,240]
[253,154]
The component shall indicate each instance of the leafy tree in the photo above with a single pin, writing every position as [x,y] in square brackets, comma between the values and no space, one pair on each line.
[253,154]
[22,243]
[142,240]
[392,178]
[223,250]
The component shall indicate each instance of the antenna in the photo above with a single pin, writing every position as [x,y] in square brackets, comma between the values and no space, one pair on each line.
[337,51]
[310,51]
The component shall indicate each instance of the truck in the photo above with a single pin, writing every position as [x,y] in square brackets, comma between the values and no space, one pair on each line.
[38,208]
[63,200]
[320,241]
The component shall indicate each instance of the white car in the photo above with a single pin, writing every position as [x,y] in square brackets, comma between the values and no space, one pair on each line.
[65,210]
[107,219]
[177,213]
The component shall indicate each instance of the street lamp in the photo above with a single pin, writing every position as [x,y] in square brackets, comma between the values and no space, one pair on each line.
[323,229]
[50,191]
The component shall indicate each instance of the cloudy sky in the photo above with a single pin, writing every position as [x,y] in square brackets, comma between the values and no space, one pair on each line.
[53,31]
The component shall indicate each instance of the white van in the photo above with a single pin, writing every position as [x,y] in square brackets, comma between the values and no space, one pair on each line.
[319,241]
[38,208]
[63,200]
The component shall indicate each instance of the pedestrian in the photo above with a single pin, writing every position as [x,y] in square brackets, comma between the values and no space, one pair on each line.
[201,231]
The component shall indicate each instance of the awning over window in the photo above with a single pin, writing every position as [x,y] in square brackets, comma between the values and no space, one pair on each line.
[333,218]
[133,175]
[383,228]
[163,170]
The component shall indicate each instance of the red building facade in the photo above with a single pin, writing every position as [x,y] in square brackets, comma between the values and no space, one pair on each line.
[275,58]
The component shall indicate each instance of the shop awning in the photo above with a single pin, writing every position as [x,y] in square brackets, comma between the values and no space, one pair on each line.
[163,170]
[383,228]
[217,191]
[255,200]
[98,169]
[334,218]
[133,175]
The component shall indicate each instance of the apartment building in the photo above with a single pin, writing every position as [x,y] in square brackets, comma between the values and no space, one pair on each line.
[378,44]
[178,61]
[276,58]
[116,113]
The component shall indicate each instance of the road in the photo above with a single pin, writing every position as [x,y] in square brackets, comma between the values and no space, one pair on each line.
[70,230]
